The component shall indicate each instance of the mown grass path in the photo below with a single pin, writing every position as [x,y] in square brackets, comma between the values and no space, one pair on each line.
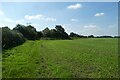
[84,58]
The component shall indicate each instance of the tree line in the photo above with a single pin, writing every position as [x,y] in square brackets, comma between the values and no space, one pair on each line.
[20,33]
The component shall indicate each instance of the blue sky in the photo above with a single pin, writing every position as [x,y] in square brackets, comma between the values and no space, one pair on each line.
[85,18]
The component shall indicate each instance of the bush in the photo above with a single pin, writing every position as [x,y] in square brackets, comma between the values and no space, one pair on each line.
[11,38]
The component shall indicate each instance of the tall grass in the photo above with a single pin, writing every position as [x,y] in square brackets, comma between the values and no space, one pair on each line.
[81,58]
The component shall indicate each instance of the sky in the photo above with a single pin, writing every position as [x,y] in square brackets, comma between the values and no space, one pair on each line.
[84,18]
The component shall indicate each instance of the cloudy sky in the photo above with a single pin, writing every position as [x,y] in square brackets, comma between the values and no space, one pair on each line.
[85,18]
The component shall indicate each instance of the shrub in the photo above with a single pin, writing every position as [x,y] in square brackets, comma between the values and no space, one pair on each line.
[11,38]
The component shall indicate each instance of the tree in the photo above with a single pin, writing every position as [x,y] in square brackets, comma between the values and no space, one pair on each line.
[28,32]
[53,33]
[76,35]
[31,32]
[61,34]
[104,37]
[116,36]
[46,32]
[59,28]
[90,36]
[39,34]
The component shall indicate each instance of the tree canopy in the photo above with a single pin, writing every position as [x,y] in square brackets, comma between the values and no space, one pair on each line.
[28,32]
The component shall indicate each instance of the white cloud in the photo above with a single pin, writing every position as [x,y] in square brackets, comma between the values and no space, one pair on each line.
[39,16]
[113,26]
[50,19]
[19,21]
[91,29]
[74,7]
[1,12]
[65,25]
[2,25]
[67,28]
[99,14]
[2,15]
[37,26]
[111,29]
[8,20]
[89,26]
[74,19]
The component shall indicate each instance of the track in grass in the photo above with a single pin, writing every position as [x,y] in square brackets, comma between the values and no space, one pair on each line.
[83,58]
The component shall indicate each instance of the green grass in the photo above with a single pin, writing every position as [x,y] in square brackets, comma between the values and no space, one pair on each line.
[83,58]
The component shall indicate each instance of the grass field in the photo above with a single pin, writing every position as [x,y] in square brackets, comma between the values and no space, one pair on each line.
[83,58]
